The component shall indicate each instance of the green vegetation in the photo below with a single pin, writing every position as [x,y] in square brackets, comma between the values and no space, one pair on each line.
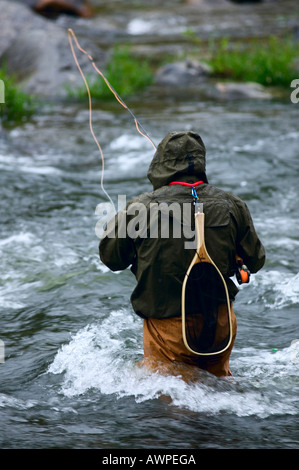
[125,73]
[18,105]
[268,61]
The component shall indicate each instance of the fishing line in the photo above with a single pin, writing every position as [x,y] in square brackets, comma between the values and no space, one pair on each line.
[119,99]
[139,127]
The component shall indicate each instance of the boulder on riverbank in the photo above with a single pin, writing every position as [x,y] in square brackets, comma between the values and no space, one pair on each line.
[182,73]
[35,59]
[195,75]
[230,90]
[37,52]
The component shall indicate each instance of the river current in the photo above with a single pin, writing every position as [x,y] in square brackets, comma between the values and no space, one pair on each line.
[72,342]
[70,376]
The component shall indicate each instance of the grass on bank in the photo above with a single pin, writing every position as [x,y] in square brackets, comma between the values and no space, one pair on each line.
[125,73]
[18,105]
[268,62]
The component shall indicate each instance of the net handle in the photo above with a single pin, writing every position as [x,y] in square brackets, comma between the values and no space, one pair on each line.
[200,256]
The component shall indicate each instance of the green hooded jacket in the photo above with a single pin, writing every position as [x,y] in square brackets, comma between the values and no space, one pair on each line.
[154,234]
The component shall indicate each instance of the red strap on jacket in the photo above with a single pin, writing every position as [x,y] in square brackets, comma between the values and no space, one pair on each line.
[186,184]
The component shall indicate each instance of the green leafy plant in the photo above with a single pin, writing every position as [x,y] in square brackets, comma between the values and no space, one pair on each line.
[268,61]
[18,105]
[125,73]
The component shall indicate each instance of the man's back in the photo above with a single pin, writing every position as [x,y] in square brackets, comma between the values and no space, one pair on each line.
[160,229]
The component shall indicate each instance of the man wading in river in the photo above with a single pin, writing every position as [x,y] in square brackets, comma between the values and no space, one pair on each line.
[159,254]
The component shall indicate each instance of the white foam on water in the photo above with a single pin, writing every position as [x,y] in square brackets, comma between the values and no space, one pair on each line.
[156,25]
[265,142]
[94,260]
[104,357]
[26,246]
[286,242]
[26,262]
[250,147]
[12,294]
[139,26]
[131,155]
[25,238]
[94,357]
[16,403]
[29,164]
[40,170]
[281,289]
[128,142]
[14,250]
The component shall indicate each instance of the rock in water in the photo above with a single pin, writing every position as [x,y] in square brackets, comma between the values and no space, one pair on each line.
[242,90]
[182,73]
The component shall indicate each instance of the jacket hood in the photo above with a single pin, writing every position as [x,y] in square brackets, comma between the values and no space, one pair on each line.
[179,156]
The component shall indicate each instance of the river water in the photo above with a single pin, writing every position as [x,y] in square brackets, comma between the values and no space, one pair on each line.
[70,376]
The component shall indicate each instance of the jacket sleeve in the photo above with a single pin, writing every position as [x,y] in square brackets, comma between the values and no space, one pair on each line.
[116,249]
[249,246]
